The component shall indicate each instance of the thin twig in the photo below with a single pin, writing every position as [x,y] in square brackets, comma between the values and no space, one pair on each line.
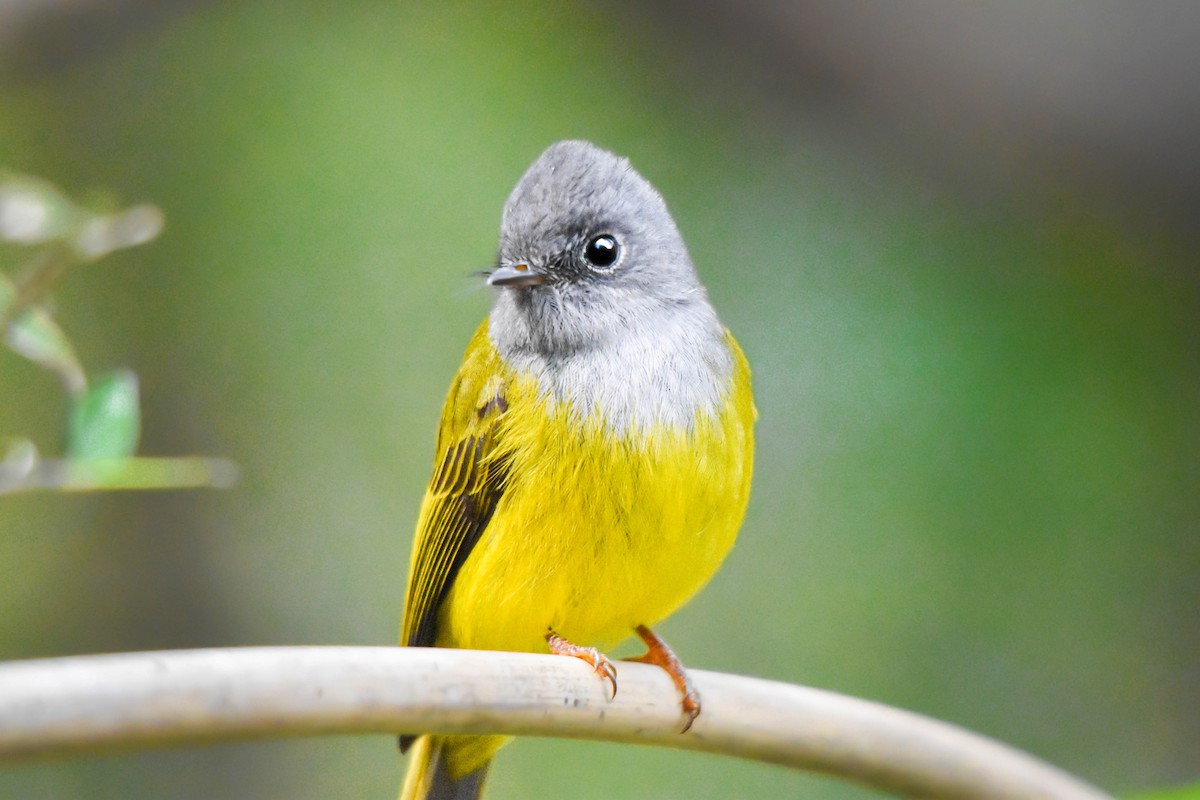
[87,704]
[22,473]
[37,278]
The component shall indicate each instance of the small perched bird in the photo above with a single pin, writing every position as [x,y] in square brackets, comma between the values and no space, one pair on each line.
[594,456]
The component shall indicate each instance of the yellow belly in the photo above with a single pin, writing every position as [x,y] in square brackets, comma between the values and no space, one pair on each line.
[596,534]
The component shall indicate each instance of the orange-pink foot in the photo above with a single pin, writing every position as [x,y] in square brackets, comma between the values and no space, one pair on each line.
[660,654]
[600,663]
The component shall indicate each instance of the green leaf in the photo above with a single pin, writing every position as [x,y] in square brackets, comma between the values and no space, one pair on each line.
[106,422]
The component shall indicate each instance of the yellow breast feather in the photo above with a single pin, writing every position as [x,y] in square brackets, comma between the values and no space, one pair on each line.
[527,496]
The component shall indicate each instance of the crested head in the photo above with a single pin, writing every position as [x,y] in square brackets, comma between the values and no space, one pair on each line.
[597,296]
[589,247]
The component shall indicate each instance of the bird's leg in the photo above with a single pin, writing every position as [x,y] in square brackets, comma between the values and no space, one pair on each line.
[660,654]
[600,663]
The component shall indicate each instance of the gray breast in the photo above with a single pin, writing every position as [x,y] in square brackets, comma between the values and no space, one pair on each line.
[667,372]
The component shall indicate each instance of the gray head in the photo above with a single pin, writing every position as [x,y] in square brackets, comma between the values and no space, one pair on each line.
[589,252]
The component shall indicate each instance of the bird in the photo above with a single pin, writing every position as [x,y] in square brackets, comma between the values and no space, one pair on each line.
[594,457]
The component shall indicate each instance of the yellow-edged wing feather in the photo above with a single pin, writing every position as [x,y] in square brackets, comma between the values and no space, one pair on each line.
[468,480]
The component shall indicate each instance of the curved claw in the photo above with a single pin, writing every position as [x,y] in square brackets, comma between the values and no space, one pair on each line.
[608,671]
[691,705]
[599,662]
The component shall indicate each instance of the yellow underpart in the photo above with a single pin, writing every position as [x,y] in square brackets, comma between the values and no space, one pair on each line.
[596,531]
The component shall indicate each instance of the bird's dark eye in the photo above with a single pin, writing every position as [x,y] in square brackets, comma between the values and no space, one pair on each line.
[602,252]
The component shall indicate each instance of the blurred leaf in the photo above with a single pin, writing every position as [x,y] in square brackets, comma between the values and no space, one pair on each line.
[33,211]
[18,463]
[1175,793]
[34,334]
[106,421]
[101,234]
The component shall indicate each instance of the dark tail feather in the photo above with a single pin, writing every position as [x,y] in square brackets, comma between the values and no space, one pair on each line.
[427,778]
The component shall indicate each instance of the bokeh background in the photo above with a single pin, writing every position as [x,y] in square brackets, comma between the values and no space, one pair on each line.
[959,243]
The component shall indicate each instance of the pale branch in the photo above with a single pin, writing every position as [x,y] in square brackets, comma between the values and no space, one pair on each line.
[24,471]
[91,704]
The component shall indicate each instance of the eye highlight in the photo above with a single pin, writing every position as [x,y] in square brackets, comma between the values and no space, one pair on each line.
[602,252]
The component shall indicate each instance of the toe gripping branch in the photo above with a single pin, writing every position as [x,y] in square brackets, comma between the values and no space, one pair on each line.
[658,653]
[599,662]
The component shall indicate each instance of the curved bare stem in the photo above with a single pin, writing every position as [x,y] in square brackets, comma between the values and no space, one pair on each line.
[85,704]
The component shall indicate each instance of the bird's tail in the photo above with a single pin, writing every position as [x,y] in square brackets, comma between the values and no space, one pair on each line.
[431,775]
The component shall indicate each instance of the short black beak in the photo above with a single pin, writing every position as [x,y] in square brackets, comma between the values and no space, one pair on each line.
[517,275]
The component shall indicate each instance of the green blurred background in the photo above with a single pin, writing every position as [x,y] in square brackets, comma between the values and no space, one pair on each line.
[957,243]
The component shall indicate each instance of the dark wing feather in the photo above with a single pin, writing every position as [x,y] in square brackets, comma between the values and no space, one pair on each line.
[465,489]
[466,486]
